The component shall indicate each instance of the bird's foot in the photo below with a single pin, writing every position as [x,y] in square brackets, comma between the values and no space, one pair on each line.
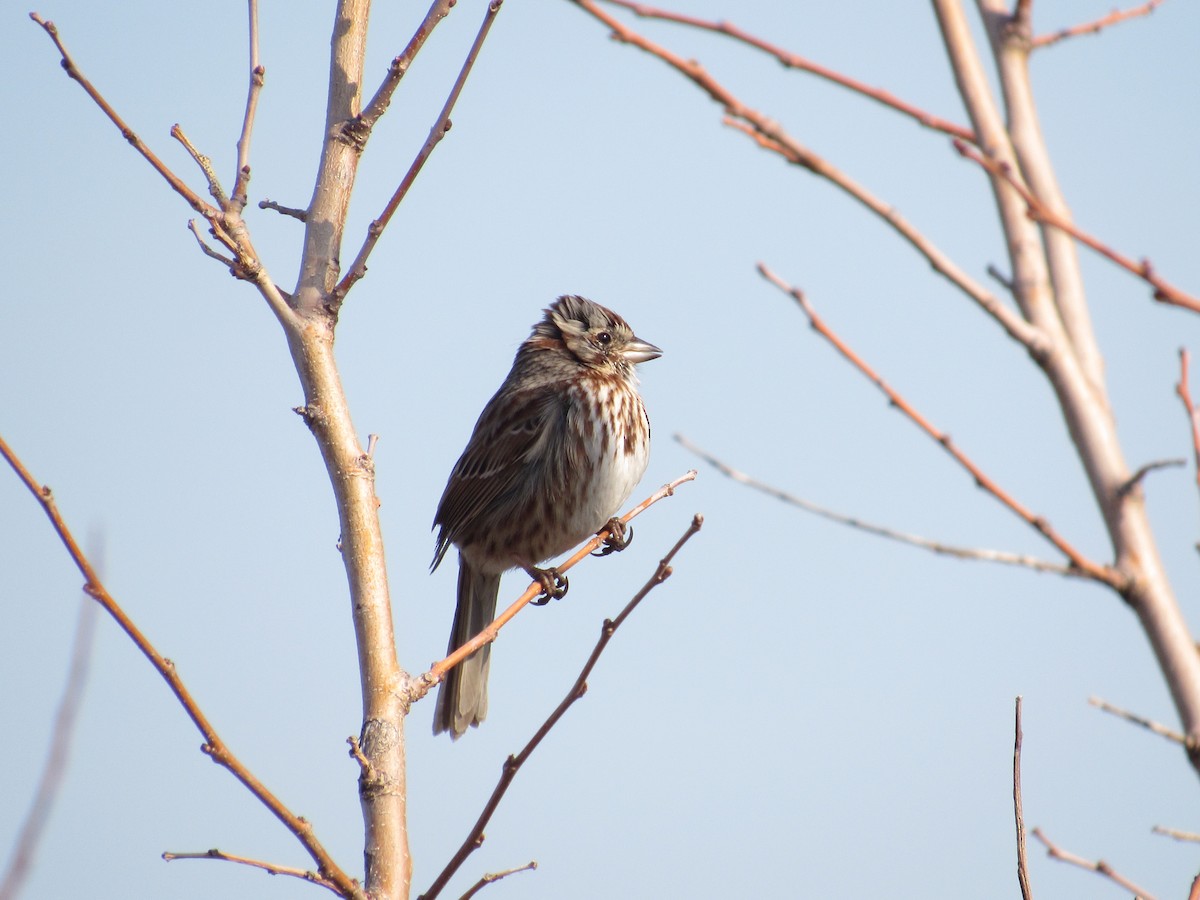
[554,584]
[619,537]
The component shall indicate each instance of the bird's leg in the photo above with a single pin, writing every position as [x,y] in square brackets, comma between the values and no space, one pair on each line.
[619,537]
[554,583]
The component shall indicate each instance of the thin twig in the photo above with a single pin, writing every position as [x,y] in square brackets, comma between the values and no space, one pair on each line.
[1188,836]
[768,133]
[1137,477]
[213,746]
[440,127]
[1018,814]
[1086,567]
[971,553]
[1164,292]
[206,167]
[1142,722]
[1099,866]
[1097,25]
[271,868]
[54,770]
[513,764]
[257,77]
[301,214]
[496,876]
[422,685]
[209,251]
[795,61]
[1183,390]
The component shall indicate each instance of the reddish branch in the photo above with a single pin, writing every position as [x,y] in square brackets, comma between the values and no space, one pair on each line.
[1164,292]
[1098,866]
[513,764]
[1097,25]
[1085,566]
[213,746]
[795,61]
[421,686]
[1193,414]
[1018,814]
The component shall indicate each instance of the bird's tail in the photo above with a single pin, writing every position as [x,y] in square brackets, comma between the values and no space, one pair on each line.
[462,698]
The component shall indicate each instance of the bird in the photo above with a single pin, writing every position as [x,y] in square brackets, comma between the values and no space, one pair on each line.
[555,452]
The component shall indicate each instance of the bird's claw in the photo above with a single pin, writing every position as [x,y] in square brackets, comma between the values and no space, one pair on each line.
[620,536]
[554,585]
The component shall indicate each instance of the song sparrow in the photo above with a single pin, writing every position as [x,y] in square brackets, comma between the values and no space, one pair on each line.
[553,456]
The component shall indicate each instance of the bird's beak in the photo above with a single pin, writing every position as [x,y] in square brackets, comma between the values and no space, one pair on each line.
[639,351]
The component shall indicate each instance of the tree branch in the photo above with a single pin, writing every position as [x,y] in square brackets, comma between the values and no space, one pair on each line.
[214,747]
[268,867]
[1018,814]
[1183,390]
[1086,568]
[257,76]
[968,553]
[513,764]
[1142,722]
[1099,866]
[1097,25]
[493,877]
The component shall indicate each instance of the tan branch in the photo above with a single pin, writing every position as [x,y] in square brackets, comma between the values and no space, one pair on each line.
[513,764]
[1086,568]
[213,746]
[268,867]
[968,553]
[1099,866]
[1018,814]
[1142,722]
[440,127]
[215,190]
[421,686]
[283,210]
[795,61]
[1188,836]
[1183,390]
[257,76]
[1164,292]
[493,877]
[1097,25]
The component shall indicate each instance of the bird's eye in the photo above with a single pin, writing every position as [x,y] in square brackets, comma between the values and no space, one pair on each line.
[604,339]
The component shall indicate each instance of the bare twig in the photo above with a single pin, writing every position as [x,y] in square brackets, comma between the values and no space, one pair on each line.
[1099,866]
[213,746]
[206,167]
[1183,390]
[422,685]
[1093,27]
[795,61]
[496,876]
[1189,836]
[257,76]
[1018,814]
[359,267]
[971,553]
[1086,567]
[300,214]
[513,764]
[25,846]
[1194,893]
[270,868]
[770,135]
[209,251]
[1142,722]
[1137,477]
[1164,292]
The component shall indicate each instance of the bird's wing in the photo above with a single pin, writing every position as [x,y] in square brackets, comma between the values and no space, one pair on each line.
[516,430]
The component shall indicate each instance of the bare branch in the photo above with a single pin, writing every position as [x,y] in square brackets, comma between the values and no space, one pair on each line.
[1018,815]
[1189,836]
[257,76]
[57,757]
[359,267]
[969,553]
[1183,390]
[513,764]
[1142,722]
[422,685]
[1164,292]
[1086,568]
[1094,27]
[496,876]
[205,163]
[795,61]
[209,251]
[213,746]
[270,868]
[769,135]
[1137,477]
[1099,866]
[284,210]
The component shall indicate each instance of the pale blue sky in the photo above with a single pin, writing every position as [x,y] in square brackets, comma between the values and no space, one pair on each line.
[802,710]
